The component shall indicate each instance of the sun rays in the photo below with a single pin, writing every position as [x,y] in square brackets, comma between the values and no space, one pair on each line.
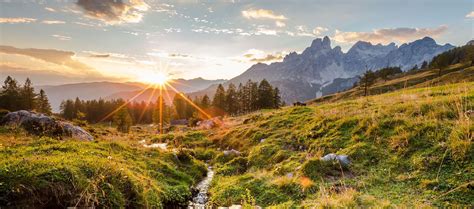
[159,83]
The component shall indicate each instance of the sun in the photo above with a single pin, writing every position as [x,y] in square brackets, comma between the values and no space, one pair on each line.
[155,78]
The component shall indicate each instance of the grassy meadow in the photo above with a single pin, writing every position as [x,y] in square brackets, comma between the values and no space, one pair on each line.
[408,148]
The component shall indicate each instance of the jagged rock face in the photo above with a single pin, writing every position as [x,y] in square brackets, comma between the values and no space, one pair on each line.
[313,72]
[42,125]
[470,43]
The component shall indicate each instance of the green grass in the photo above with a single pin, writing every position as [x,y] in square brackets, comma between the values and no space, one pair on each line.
[408,148]
[48,173]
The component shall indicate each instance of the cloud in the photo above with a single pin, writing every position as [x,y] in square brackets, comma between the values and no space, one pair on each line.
[255,55]
[114,11]
[52,22]
[470,15]
[61,37]
[302,30]
[280,24]
[388,35]
[265,14]
[62,58]
[13,20]
[50,9]
[262,14]
[318,30]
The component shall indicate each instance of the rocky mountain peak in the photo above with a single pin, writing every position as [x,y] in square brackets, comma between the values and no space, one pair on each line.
[319,43]
[470,43]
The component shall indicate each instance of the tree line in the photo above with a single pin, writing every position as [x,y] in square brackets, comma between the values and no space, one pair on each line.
[231,101]
[14,96]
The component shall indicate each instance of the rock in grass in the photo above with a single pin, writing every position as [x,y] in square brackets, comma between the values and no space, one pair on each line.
[343,159]
[42,125]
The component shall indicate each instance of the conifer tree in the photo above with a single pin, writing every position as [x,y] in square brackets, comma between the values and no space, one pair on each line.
[43,105]
[205,102]
[219,98]
[179,106]
[28,96]
[254,96]
[231,99]
[67,109]
[276,98]
[123,120]
[367,80]
[10,96]
[265,98]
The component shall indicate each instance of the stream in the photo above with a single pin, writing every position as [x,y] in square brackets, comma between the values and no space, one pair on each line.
[199,201]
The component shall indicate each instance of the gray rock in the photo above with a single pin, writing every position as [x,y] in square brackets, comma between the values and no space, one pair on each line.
[39,124]
[343,159]
[231,152]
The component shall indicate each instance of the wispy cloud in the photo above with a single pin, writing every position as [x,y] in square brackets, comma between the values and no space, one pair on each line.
[52,22]
[262,14]
[113,11]
[470,15]
[61,37]
[50,9]
[265,14]
[255,55]
[58,57]
[13,20]
[388,35]
[319,30]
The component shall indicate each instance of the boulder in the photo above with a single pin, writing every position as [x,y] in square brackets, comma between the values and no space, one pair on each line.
[343,159]
[42,125]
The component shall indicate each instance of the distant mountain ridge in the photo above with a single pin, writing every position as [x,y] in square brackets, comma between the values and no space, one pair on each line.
[320,69]
[115,90]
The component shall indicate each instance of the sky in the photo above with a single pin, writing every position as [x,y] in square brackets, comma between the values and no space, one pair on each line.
[68,41]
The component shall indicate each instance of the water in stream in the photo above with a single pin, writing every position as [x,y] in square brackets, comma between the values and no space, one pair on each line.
[200,199]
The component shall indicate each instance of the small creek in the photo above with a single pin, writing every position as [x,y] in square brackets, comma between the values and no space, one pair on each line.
[200,200]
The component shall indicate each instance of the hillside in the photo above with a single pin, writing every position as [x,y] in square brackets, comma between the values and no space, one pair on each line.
[456,67]
[457,73]
[408,148]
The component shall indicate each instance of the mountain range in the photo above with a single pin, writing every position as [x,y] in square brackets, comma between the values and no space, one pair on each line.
[115,90]
[320,69]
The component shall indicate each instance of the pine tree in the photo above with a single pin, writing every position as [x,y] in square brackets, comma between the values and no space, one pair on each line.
[367,80]
[240,92]
[123,120]
[231,100]
[67,109]
[10,96]
[43,105]
[78,109]
[424,65]
[219,98]
[254,96]
[265,97]
[189,109]
[179,106]
[28,96]
[276,98]
[205,102]
[165,111]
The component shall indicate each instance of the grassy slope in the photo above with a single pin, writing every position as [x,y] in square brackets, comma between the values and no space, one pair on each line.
[457,73]
[411,147]
[113,172]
